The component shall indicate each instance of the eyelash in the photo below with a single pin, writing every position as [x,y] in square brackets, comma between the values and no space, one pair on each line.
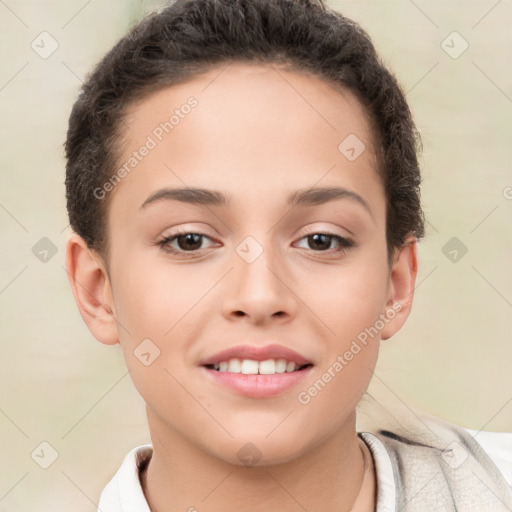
[345,243]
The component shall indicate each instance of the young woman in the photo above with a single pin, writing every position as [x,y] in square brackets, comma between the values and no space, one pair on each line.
[243,184]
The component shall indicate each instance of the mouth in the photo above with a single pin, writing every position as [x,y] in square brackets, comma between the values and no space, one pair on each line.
[257,372]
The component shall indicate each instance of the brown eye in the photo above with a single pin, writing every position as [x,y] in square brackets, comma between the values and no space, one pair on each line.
[186,242]
[322,242]
[319,241]
[189,241]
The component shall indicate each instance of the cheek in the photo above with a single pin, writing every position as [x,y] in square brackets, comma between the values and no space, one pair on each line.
[158,309]
[154,298]
[348,298]
[350,303]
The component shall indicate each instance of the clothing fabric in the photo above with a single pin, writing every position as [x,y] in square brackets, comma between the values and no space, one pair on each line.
[439,467]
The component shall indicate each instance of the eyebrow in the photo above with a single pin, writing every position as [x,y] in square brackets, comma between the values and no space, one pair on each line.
[301,197]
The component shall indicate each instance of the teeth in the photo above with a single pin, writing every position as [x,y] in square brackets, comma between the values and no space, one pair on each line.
[290,367]
[267,367]
[280,365]
[249,366]
[234,366]
[252,367]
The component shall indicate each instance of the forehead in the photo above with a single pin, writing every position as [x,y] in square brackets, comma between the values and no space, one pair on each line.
[240,91]
[257,126]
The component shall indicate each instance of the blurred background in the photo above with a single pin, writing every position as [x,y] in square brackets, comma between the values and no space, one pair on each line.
[68,410]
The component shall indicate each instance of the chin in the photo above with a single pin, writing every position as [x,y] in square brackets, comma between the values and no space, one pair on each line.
[258,449]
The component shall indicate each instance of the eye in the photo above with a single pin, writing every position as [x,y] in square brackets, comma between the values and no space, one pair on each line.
[187,242]
[321,242]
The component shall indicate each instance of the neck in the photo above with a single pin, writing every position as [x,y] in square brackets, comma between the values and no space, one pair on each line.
[329,477]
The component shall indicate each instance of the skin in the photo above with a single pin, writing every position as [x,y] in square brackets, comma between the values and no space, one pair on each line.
[258,133]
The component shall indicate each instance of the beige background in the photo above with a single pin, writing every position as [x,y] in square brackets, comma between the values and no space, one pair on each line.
[59,385]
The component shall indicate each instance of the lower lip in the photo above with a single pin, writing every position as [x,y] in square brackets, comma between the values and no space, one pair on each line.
[256,385]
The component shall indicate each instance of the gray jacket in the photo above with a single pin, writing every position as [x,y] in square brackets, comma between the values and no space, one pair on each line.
[439,467]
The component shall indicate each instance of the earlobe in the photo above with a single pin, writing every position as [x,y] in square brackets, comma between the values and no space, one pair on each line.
[91,289]
[401,287]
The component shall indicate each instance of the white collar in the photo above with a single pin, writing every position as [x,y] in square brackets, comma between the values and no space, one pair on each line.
[124,492]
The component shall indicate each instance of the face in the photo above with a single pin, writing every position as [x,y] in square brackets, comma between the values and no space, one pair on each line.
[282,256]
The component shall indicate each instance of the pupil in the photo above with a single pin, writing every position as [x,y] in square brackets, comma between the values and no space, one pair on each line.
[318,238]
[189,238]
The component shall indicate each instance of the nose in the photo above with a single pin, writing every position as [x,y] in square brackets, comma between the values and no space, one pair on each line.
[259,291]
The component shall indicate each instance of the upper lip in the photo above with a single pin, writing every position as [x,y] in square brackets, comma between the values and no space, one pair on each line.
[257,353]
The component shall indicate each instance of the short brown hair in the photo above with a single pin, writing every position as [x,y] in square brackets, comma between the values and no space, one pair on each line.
[190,37]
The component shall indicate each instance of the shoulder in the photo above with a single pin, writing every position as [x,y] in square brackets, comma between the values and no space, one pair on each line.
[440,464]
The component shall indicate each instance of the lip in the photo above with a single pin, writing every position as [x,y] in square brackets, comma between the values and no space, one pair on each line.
[256,385]
[257,353]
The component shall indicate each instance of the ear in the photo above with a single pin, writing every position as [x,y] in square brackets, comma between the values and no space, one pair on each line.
[92,289]
[401,287]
